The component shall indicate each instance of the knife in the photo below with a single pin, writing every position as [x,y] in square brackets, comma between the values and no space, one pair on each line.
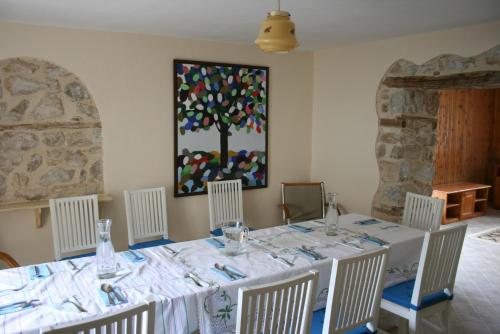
[218,242]
[137,257]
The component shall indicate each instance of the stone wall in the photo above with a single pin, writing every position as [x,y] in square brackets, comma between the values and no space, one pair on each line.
[407,105]
[50,133]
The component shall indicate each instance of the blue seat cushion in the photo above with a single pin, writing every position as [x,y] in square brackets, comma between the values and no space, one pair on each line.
[319,319]
[78,256]
[218,232]
[151,243]
[401,294]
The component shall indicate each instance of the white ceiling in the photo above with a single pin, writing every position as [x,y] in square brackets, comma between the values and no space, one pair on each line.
[319,23]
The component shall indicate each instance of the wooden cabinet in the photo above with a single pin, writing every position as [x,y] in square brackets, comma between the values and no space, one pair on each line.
[467,204]
[463,200]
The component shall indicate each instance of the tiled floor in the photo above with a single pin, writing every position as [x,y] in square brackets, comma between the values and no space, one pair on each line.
[476,306]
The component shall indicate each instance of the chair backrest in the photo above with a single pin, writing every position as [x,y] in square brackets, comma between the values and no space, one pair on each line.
[303,201]
[225,202]
[146,211]
[281,307]
[131,320]
[423,212]
[73,224]
[7,261]
[438,262]
[355,291]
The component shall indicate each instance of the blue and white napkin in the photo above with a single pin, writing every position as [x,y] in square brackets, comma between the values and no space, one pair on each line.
[134,256]
[41,271]
[239,274]
[374,240]
[215,242]
[117,298]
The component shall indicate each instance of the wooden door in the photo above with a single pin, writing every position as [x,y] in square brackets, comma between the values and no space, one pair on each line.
[467,204]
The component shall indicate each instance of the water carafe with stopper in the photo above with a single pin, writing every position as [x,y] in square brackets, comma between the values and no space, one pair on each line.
[332,216]
[105,253]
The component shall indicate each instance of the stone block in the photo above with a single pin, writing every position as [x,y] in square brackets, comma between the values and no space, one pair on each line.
[57,175]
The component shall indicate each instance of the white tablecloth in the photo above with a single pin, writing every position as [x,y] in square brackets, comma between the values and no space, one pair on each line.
[183,307]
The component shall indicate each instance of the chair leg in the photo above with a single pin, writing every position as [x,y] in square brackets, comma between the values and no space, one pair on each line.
[445,319]
[402,325]
[414,325]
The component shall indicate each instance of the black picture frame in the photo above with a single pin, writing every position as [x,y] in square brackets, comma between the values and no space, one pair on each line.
[188,119]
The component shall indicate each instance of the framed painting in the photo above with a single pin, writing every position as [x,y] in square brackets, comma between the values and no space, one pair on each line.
[221,125]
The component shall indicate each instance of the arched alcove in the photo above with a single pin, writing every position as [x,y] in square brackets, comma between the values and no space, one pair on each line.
[407,105]
[50,133]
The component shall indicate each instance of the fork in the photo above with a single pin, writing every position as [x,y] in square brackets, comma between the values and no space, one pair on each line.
[15,289]
[77,305]
[281,259]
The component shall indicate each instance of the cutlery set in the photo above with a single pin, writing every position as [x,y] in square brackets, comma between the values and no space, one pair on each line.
[112,294]
[196,280]
[309,252]
[229,272]
[18,306]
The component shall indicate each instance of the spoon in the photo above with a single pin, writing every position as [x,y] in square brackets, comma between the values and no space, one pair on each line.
[108,289]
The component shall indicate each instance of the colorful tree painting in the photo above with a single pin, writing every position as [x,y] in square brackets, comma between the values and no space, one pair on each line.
[231,99]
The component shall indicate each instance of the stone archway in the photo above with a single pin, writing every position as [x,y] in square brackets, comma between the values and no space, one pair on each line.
[50,133]
[407,105]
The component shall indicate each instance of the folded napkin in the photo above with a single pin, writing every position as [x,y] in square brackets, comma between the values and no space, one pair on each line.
[374,240]
[215,242]
[368,222]
[227,276]
[41,271]
[117,298]
[301,228]
[15,307]
[134,256]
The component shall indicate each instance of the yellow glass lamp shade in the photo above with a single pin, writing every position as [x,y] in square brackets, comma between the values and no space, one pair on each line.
[277,33]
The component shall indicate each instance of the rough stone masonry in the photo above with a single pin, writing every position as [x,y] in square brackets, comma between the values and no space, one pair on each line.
[50,133]
[407,106]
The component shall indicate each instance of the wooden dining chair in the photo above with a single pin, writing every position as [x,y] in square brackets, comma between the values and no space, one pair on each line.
[280,307]
[225,203]
[432,290]
[353,295]
[8,261]
[423,212]
[302,201]
[73,226]
[146,211]
[130,320]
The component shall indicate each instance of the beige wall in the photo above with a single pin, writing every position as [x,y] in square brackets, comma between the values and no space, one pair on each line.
[130,78]
[344,117]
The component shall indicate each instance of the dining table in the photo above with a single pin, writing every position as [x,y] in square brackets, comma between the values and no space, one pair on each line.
[185,279]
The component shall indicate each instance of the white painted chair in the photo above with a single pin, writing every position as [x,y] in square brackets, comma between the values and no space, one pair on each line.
[225,203]
[432,290]
[146,211]
[281,307]
[131,320]
[423,212]
[74,225]
[354,295]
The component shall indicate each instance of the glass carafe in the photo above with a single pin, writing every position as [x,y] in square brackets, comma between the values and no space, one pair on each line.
[105,254]
[235,234]
[332,216]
